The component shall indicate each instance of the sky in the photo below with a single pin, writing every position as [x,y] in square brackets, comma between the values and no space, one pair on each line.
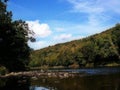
[59,21]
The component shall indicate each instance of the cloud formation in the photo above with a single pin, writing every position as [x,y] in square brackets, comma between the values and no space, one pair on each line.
[38,44]
[40,29]
[96,9]
[100,14]
[86,6]
[95,6]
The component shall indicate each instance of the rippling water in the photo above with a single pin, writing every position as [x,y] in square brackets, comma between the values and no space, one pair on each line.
[92,79]
[96,71]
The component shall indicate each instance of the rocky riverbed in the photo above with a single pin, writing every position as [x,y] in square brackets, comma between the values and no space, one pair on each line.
[37,74]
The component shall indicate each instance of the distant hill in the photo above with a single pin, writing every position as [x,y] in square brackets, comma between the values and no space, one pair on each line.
[101,49]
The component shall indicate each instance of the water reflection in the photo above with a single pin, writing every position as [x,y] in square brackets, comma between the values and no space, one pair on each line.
[97,82]
[38,88]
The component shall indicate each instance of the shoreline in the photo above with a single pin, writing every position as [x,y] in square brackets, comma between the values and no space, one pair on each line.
[50,73]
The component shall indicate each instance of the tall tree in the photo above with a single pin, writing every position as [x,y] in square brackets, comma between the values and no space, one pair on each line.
[14,50]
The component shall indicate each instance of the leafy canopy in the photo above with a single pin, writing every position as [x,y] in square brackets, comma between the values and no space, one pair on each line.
[14,50]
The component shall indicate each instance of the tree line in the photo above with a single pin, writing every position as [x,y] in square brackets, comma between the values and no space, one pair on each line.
[101,49]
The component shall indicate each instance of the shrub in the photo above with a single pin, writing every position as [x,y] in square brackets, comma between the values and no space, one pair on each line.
[3,70]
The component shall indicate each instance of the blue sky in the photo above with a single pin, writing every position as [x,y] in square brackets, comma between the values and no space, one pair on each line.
[58,21]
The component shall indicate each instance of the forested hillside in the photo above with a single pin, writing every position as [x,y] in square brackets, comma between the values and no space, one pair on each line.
[98,50]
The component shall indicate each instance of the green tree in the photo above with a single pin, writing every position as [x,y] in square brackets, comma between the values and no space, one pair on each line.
[14,50]
[89,52]
[80,59]
[116,36]
[106,51]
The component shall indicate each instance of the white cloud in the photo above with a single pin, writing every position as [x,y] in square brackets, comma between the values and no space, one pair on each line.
[80,29]
[63,37]
[95,6]
[40,29]
[86,6]
[98,14]
[98,11]
[110,5]
[37,45]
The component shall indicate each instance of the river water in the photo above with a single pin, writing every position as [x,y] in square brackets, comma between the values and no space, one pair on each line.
[89,79]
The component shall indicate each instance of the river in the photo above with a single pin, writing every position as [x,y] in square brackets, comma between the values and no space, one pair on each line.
[88,79]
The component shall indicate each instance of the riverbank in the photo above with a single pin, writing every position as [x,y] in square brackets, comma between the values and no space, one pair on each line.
[63,73]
